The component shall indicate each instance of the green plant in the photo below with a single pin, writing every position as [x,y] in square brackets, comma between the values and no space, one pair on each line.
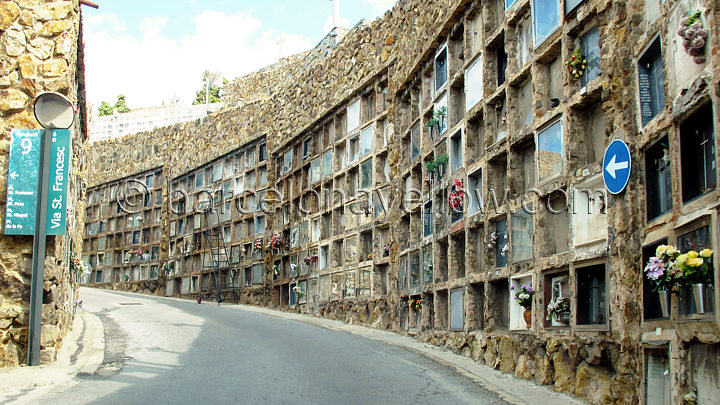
[442,159]
[577,63]
[437,118]
[431,166]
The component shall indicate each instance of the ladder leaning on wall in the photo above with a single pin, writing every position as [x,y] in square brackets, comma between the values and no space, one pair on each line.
[219,258]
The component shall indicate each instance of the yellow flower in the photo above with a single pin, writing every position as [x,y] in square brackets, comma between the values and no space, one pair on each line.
[671,251]
[692,254]
[706,253]
[661,250]
[680,260]
[696,262]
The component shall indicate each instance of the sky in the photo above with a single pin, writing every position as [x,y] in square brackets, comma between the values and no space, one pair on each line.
[154,51]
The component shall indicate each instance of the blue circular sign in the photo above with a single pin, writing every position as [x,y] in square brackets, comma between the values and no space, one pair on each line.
[616,166]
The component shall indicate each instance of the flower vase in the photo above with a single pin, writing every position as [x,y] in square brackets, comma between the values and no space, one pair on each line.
[664,296]
[699,292]
[527,315]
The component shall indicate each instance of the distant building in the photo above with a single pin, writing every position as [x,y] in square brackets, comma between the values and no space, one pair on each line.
[145,119]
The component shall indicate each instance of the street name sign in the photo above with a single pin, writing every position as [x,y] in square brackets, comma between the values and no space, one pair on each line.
[60,156]
[616,166]
[22,181]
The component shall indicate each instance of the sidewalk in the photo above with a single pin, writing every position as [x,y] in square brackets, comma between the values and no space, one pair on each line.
[82,352]
[508,387]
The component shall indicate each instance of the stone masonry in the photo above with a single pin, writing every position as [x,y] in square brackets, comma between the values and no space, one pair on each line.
[40,50]
[356,147]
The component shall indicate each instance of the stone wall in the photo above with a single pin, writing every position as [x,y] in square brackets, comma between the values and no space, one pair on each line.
[40,50]
[302,96]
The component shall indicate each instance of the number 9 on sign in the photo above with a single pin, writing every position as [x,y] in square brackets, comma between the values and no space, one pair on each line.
[26,145]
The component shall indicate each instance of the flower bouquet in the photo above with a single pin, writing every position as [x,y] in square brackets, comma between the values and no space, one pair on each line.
[576,64]
[557,307]
[523,295]
[415,305]
[455,198]
[693,36]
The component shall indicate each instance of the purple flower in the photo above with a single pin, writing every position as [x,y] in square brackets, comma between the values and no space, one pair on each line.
[655,268]
[512,288]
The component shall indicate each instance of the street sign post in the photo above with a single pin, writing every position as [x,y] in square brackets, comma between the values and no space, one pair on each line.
[616,166]
[22,182]
[36,205]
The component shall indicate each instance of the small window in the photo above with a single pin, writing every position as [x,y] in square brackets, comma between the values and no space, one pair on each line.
[501,59]
[307,147]
[366,174]
[509,3]
[260,224]
[441,69]
[591,306]
[473,84]
[658,180]
[657,379]
[428,219]
[697,154]
[136,237]
[546,18]
[474,190]
[150,181]
[315,171]
[457,312]
[288,161]
[415,142]
[217,172]
[366,140]
[499,242]
[456,151]
[354,148]
[550,152]
[262,152]
[570,5]
[257,274]
[651,82]
[522,237]
[590,45]
[353,116]
[328,163]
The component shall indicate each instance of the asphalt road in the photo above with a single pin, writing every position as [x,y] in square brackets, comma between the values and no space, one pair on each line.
[164,351]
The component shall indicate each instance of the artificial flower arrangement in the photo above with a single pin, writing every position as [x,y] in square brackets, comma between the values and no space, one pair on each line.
[258,245]
[140,251]
[576,64]
[557,306]
[416,305]
[77,266]
[386,250]
[455,198]
[437,120]
[168,266]
[298,292]
[693,36]
[276,241]
[670,267]
[293,268]
[428,268]
[276,270]
[214,192]
[310,259]
[523,295]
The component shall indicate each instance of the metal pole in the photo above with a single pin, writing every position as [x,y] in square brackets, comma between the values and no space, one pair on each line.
[39,247]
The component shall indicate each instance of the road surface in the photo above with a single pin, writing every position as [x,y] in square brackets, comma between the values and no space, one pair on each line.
[168,351]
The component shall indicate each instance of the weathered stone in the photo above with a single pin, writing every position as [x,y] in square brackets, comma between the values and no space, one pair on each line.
[28,67]
[506,354]
[525,368]
[593,384]
[41,47]
[15,41]
[54,67]
[54,11]
[52,28]
[64,44]
[564,372]
[8,13]
[12,99]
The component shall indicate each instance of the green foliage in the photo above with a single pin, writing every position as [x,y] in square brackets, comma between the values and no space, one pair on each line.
[216,94]
[440,161]
[105,108]
[121,106]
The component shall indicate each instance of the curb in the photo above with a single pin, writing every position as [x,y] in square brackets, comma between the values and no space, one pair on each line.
[82,352]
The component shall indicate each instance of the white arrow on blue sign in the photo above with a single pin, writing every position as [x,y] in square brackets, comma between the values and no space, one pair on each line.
[616,166]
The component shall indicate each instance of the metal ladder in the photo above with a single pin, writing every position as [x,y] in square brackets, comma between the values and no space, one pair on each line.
[215,241]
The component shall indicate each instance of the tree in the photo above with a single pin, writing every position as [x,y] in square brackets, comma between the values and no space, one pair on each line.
[105,108]
[121,106]
[216,92]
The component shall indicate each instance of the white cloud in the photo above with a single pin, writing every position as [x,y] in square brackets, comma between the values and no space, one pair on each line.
[344,23]
[151,67]
[379,7]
